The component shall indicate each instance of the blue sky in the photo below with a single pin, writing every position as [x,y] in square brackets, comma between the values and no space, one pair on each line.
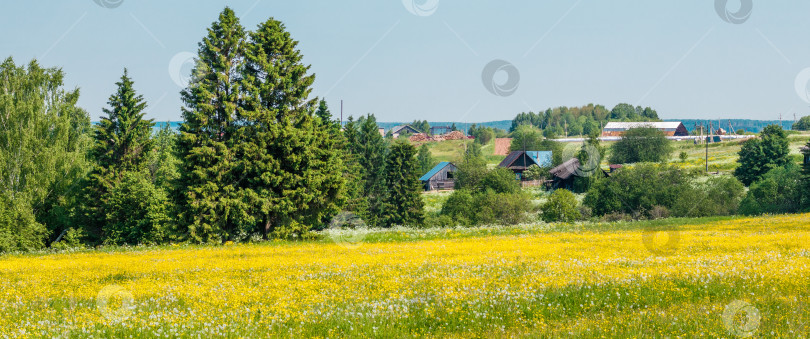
[406,60]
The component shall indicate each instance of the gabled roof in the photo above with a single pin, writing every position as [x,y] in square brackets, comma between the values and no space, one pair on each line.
[540,158]
[397,129]
[435,170]
[566,169]
[629,125]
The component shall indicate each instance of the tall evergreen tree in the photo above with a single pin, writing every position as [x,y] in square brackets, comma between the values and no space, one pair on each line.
[122,145]
[370,150]
[255,157]
[123,136]
[403,203]
[289,161]
[206,188]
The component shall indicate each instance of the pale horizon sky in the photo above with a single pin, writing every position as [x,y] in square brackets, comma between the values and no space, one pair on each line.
[428,59]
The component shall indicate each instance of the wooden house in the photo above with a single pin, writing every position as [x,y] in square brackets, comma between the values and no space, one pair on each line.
[403,129]
[519,161]
[563,176]
[440,177]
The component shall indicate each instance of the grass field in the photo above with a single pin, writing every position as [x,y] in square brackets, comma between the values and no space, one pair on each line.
[719,277]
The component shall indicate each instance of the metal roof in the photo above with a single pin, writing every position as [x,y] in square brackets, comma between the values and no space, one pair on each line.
[435,170]
[629,125]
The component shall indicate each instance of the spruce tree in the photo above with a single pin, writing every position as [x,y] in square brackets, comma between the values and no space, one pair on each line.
[370,150]
[255,158]
[403,203]
[122,146]
[123,136]
[356,201]
[325,116]
[209,204]
[289,160]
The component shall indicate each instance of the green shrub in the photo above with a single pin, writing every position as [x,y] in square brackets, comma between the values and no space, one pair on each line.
[778,192]
[501,208]
[294,231]
[71,239]
[535,172]
[137,212]
[635,191]
[19,231]
[500,180]
[562,206]
[487,208]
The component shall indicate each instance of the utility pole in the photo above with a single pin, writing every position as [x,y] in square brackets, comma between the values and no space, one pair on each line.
[341,112]
[708,136]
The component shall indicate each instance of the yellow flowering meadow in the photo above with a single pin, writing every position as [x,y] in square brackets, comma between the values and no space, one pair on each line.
[729,278]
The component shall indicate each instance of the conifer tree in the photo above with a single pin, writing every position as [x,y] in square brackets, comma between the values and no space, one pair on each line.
[255,158]
[403,203]
[207,197]
[122,145]
[289,160]
[370,150]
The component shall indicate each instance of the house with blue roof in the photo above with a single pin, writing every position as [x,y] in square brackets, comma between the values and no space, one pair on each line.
[440,177]
[519,161]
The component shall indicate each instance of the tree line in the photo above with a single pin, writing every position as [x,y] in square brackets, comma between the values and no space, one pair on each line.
[254,158]
[585,120]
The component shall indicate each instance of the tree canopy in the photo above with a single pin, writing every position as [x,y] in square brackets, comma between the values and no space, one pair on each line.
[644,144]
[42,153]
[759,156]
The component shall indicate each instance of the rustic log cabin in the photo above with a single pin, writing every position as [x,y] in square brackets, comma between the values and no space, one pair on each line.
[440,177]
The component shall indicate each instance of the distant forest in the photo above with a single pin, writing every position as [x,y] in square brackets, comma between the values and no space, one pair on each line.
[753,126]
